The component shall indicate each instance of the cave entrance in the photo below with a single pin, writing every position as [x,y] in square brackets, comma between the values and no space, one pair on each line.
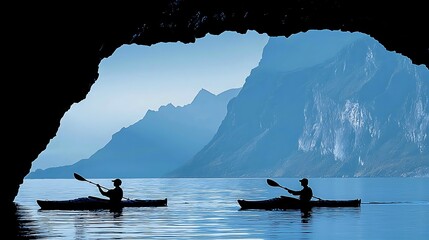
[137,79]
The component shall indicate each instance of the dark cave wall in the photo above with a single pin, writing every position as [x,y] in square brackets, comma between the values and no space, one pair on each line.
[52,54]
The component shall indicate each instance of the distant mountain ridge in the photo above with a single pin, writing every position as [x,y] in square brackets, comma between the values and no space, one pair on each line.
[154,145]
[362,112]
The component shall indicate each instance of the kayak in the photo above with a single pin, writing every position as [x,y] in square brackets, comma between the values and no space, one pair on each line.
[283,202]
[93,203]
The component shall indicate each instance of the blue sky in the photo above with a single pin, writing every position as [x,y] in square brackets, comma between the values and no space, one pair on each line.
[138,78]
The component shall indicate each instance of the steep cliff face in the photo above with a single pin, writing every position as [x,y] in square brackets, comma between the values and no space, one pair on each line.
[371,117]
[363,112]
[53,51]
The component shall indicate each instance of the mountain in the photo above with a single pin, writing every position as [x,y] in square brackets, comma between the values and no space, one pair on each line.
[362,112]
[154,145]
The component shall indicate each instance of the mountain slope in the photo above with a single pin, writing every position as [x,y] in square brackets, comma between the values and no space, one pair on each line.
[362,112]
[156,144]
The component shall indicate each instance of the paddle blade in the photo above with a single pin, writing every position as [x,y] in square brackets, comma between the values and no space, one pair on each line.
[272,183]
[79,177]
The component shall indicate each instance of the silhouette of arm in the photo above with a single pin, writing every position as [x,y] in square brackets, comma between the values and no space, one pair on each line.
[294,192]
[102,191]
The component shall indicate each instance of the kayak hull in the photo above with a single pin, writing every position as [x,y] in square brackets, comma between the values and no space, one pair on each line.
[282,203]
[93,203]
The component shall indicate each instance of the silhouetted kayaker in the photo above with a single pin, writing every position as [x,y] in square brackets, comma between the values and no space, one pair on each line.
[305,194]
[115,195]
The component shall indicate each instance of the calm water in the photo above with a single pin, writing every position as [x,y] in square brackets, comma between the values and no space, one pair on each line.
[392,208]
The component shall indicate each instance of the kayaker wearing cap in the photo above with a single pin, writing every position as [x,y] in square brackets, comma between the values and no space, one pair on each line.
[305,194]
[115,195]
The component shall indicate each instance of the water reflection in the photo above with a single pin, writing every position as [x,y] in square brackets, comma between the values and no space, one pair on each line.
[79,225]
[18,224]
[305,215]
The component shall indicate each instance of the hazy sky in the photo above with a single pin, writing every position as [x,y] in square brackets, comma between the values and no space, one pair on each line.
[138,78]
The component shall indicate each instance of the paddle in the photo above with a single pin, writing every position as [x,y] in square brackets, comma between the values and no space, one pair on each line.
[275,184]
[80,178]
